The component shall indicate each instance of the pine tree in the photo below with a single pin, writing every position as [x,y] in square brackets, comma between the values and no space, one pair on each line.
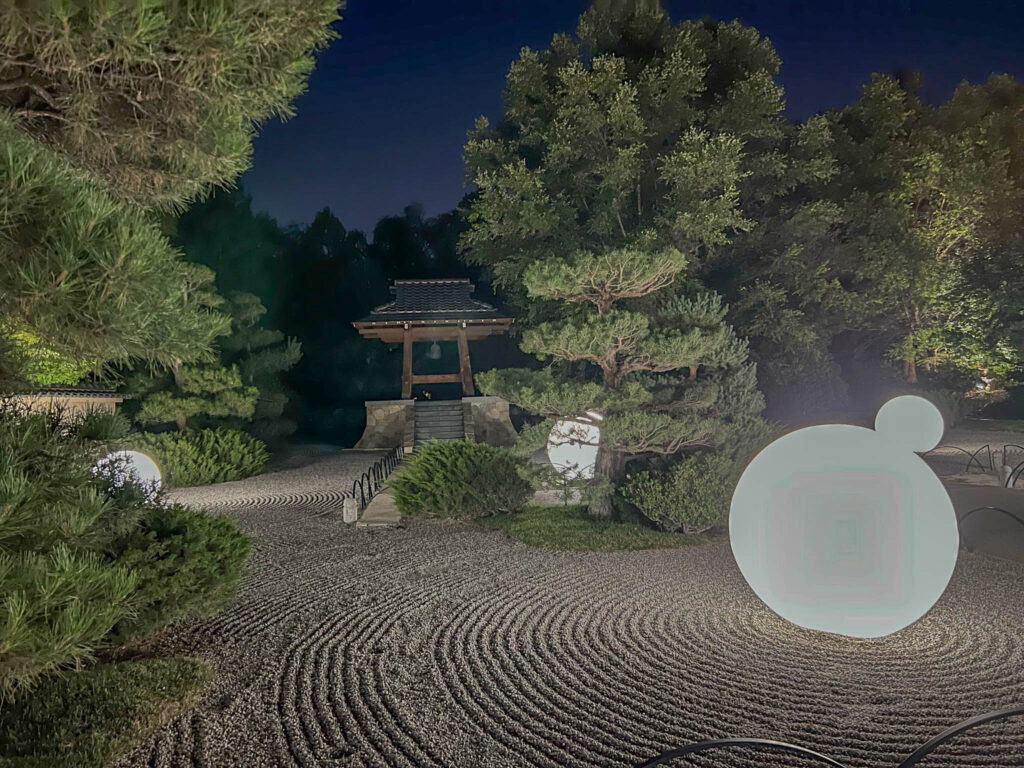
[159,99]
[262,356]
[109,108]
[85,276]
[196,391]
[613,178]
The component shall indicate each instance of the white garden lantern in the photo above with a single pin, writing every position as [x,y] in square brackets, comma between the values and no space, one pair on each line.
[141,468]
[844,529]
[572,448]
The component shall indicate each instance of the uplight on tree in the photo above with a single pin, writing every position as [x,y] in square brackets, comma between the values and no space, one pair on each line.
[844,529]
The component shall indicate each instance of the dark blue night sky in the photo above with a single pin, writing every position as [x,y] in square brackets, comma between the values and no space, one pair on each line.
[388,107]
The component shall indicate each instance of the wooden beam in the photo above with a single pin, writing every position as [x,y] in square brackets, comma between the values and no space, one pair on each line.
[394,334]
[464,369]
[407,376]
[437,378]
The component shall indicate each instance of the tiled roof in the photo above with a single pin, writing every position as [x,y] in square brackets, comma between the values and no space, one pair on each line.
[432,300]
[76,390]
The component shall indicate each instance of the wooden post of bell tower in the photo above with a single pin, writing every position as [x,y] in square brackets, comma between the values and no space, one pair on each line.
[406,362]
[464,368]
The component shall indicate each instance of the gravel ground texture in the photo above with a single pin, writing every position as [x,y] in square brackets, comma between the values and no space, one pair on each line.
[440,644]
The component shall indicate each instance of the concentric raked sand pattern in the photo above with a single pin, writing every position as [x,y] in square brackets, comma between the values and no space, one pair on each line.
[443,645]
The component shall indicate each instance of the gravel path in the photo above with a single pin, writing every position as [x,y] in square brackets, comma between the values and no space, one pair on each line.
[439,644]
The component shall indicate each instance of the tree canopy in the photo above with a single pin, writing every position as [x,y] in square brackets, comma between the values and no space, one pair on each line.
[91,277]
[933,197]
[604,193]
[108,111]
[159,99]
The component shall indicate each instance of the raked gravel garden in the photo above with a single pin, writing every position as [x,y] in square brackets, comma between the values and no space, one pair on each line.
[442,643]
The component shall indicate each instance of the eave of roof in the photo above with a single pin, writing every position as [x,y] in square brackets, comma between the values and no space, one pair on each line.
[72,391]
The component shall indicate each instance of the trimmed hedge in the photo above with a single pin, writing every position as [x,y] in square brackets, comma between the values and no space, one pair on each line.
[691,497]
[457,478]
[203,456]
[187,564]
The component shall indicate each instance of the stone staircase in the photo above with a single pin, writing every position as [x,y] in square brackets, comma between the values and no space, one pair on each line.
[438,420]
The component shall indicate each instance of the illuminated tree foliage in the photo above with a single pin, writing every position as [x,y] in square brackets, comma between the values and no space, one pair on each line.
[159,99]
[199,390]
[613,178]
[934,197]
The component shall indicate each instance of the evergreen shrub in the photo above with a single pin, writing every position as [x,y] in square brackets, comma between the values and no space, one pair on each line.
[103,426]
[692,497]
[456,478]
[187,564]
[89,719]
[58,596]
[86,563]
[203,456]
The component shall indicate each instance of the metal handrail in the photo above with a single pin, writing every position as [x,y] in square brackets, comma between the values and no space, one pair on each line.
[912,760]
[1011,445]
[366,486]
[967,514]
[1014,476]
[972,458]
[704,746]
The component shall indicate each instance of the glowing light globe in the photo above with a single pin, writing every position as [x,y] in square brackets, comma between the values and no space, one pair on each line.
[141,468]
[572,448]
[844,529]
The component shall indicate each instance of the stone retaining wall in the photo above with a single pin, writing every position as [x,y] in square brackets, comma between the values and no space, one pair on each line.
[389,424]
[491,422]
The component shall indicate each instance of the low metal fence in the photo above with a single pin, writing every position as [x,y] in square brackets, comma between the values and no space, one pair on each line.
[780,746]
[1017,519]
[972,456]
[366,486]
[978,460]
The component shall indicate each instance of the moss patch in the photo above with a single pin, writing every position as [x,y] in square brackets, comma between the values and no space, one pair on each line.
[86,719]
[570,528]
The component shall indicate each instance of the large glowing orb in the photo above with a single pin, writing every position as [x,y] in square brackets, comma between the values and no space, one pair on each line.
[572,448]
[844,529]
[140,467]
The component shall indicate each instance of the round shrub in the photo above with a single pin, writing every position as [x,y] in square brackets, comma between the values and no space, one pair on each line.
[187,564]
[203,456]
[691,497]
[456,478]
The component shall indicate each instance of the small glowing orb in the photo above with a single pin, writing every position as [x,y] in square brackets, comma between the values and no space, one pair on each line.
[844,529]
[142,469]
[572,448]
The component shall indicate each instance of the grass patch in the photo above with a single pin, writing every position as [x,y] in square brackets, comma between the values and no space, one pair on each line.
[570,528]
[87,719]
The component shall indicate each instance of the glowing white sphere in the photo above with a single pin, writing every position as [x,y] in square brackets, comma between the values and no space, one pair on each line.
[140,465]
[572,448]
[843,529]
[911,423]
